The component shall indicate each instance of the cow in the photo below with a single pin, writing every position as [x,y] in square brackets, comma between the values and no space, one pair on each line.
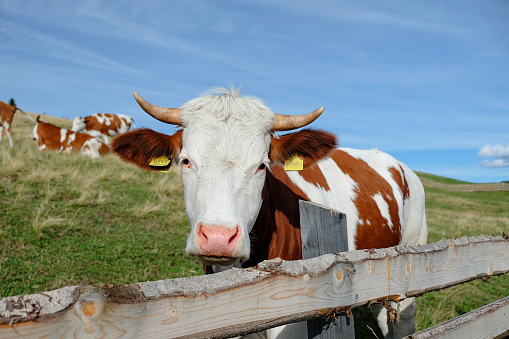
[103,125]
[6,116]
[51,137]
[243,205]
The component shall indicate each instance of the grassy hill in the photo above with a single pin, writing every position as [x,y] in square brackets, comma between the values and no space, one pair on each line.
[68,220]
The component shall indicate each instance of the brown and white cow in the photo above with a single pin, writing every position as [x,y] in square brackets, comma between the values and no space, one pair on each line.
[243,205]
[6,116]
[103,125]
[51,137]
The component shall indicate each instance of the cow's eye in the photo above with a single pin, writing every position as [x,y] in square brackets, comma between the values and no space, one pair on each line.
[261,168]
[185,163]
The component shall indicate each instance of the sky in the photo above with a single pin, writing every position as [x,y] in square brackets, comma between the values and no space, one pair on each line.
[427,82]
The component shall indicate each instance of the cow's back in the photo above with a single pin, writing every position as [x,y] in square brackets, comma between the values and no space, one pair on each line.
[382,198]
[108,124]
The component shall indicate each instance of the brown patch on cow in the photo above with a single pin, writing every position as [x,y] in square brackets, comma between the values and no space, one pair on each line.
[309,145]
[313,174]
[6,116]
[141,145]
[373,230]
[276,232]
[50,136]
[399,178]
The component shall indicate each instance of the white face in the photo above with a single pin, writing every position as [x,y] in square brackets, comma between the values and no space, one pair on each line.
[224,166]
[78,124]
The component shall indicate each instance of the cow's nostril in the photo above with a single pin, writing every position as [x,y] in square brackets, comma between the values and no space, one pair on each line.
[234,236]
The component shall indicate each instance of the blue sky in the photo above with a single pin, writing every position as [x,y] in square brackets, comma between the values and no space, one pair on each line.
[427,82]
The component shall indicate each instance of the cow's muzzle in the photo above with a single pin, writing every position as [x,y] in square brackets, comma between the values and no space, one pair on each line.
[217,243]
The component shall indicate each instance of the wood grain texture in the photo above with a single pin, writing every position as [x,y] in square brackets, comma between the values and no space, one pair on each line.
[323,230]
[489,321]
[241,300]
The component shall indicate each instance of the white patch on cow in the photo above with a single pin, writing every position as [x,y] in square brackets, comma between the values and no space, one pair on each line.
[383,207]
[5,128]
[35,134]
[78,124]
[42,147]
[63,134]
[72,137]
[125,123]
[95,133]
[103,118]
[91,148]
[341,196]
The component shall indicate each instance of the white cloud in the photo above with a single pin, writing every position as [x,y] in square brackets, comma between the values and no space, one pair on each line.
[498,152]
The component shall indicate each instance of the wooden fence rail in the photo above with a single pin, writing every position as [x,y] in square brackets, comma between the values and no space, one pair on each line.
[240,301]
[490,321]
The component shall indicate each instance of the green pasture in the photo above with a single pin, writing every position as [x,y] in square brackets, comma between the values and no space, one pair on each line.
[68,220]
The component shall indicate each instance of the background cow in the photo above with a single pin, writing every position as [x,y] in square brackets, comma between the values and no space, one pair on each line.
[103,125]
[52,137]
[243,205]
[6,116]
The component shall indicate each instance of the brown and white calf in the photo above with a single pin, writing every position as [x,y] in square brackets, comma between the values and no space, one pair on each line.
[103,125]
[6,116]
[51,137]
[243,205]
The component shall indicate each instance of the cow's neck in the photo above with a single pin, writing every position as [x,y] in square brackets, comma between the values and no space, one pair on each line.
[276,232]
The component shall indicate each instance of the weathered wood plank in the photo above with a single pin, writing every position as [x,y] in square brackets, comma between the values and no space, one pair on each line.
[323,230]
[488,321]
[236,301]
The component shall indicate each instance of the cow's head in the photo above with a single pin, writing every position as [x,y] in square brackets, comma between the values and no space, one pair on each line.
[225,147]
[78,124]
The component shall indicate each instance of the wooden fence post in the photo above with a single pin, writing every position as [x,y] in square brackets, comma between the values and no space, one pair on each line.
[323,231]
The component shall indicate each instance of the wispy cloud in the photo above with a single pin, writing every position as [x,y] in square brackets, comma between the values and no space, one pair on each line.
[25,39]
[499,153]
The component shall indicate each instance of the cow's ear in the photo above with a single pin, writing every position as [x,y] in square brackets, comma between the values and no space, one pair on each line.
[309,145]
[141,146]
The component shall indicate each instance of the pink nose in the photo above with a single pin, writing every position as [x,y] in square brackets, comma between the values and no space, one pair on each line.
[218,241]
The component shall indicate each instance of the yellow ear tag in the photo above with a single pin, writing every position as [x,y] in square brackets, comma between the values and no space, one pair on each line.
[294,163]
[161,161]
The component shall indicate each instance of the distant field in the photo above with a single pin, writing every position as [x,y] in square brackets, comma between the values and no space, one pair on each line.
[68,220]
[61,122]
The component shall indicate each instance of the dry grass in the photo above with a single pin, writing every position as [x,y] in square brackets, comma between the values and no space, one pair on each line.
[145,209]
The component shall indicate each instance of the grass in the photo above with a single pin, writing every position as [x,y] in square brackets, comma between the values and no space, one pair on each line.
[68,220]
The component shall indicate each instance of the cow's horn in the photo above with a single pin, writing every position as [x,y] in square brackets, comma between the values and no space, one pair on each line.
[288,122]
[167,115]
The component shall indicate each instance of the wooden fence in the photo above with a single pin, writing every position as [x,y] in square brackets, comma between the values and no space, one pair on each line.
[240,301]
